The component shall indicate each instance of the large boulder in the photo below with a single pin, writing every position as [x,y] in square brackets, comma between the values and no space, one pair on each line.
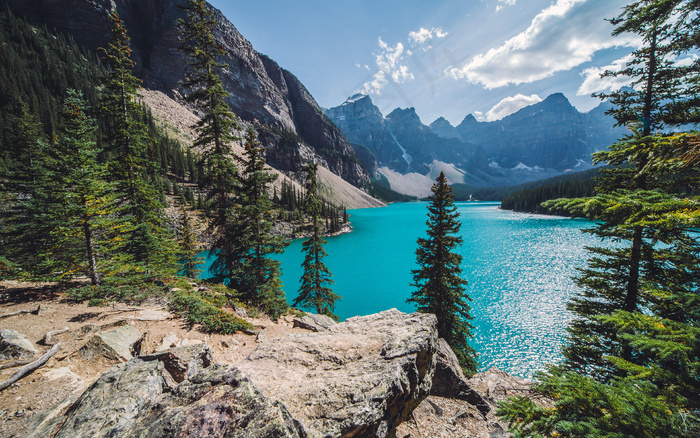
[360,378]
[139,399]
[14,345]
[315,322]
[114,345]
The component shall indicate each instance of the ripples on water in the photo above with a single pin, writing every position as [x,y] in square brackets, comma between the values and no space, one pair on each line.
[519,268]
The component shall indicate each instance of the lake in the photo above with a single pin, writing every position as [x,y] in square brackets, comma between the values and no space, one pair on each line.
[519,268]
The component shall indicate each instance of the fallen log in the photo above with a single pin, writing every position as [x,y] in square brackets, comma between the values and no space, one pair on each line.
[15,363]
[20,312]
[30,367]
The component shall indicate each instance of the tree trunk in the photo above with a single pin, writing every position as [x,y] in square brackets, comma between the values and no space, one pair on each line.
[94,276]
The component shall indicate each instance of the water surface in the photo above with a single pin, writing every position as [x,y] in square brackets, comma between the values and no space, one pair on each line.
[518,266]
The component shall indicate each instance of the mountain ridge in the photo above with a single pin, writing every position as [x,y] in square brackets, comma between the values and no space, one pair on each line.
[542,140]
[291,125]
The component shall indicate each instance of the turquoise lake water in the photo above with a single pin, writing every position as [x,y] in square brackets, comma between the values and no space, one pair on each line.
[518,266]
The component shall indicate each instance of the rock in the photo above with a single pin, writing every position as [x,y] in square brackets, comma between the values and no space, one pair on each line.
[114,345]
[169,341]
[449,380]
[360,378]
[261,337]
[152,315]
[314,322]
[498,385]
[132,400]
[14,345]
[183,362]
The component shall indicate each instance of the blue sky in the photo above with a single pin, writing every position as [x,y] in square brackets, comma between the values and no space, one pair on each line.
[445,58]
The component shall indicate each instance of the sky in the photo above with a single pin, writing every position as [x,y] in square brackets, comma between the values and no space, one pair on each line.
[445,58]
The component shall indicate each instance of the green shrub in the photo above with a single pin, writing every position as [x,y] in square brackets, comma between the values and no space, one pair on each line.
[205,308]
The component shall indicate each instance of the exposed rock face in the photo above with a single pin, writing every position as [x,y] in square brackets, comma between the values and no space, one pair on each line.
[14,345]
[292,125]
[361,378]
[424,146]
[450,382]
[139,398]
[443,128]
[363,124]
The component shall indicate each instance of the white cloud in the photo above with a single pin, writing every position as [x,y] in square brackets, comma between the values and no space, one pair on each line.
[389,66]
[593,83]
[509,105]
[501,4]
[559,38]
[424,35]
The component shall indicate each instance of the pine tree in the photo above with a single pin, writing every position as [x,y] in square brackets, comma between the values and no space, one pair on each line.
[82,200]
[188,246]
[256,274]
[146,245]
[214,132]
[314,291]
[25,231]
[614,278]
[440,286]
[637,334]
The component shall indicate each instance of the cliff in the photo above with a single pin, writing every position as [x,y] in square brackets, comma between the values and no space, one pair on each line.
[292,125]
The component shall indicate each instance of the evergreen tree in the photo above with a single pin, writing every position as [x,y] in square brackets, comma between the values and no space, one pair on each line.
[614,277]
[440,286]
[25,230]
[636,334]
[255,274]
[314,291]
[189,247]
[81,198]
[214,133]
[146,245]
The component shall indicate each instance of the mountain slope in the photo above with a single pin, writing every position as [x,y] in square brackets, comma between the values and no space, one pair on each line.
[292,125]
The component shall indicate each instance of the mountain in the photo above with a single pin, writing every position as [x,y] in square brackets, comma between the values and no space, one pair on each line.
[403,146]
[291,125]
[550,134]
[539,141]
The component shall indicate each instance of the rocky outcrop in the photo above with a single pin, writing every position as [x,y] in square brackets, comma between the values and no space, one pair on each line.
[361,378]
[14,345]
[292,126]
[140,398]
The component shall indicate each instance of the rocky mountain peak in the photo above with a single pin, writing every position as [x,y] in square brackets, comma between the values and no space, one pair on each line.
[444,128]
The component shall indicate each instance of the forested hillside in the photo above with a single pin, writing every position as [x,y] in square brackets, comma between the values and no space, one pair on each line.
[530,198]
[77,172]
